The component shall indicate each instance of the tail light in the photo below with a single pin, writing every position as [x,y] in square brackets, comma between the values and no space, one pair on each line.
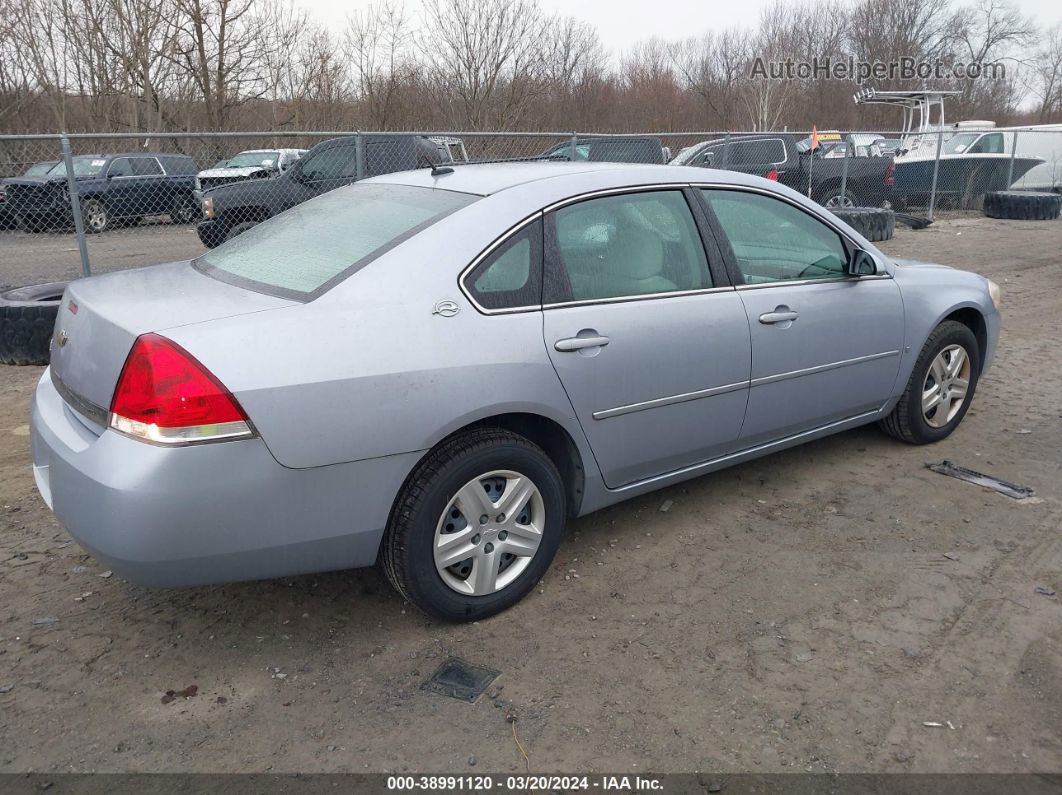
[165,396]
[890,180]
[772,174]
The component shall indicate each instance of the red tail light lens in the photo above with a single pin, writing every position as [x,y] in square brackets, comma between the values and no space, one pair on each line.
[165,396]
[772,174]
[890,180]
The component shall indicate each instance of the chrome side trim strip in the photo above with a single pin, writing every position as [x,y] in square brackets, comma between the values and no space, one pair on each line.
[798,282]
[668,401]
[86,408]
[741,453]
[622,299]
[770,379]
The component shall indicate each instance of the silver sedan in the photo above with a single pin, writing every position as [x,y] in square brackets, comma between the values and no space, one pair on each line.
[436,370]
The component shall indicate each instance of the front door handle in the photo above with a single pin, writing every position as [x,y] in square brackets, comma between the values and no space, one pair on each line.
[579,343]
[781,314]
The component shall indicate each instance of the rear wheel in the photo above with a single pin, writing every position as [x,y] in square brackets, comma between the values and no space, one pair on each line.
[475,526]
[837,198]
[940,388]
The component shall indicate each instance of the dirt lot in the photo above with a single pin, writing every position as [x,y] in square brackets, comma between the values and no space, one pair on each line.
[795,613]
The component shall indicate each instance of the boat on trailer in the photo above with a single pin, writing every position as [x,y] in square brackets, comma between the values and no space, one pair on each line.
[975,156]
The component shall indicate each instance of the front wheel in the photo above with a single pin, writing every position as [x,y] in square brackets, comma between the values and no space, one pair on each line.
[184,210]
[94,214]
[475,526]
[940,388]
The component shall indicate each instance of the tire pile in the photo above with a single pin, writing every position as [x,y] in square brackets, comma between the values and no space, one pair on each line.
[27,319]
[1023,205]
[873,223]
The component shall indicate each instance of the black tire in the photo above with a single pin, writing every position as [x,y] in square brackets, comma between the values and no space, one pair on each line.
[27,319]
[873,223]
[906,422]
[95,216]
[184,209]
[407,555]
[239,229]
[1023,205]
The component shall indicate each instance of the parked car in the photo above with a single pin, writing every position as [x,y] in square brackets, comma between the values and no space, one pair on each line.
[8,220]
[251,164]
[611,149]
[785,158]
[440,370]
[111,188]
[230,210]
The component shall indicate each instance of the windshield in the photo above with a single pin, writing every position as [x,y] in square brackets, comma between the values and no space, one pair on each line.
[250,160]
[958,144]
[40,169]
[84,166]
[313,246]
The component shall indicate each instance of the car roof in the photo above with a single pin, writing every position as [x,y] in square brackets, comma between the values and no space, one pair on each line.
[485,179]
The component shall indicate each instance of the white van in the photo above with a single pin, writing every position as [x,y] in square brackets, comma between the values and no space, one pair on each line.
[1039,140]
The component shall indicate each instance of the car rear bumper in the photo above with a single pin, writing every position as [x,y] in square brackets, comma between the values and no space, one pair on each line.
[206,513]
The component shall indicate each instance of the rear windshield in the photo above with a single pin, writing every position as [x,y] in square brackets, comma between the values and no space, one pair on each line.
[313,246]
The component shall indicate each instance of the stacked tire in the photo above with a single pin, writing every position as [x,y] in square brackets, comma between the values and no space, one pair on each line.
[27,319]
[1020,205]
[873,223]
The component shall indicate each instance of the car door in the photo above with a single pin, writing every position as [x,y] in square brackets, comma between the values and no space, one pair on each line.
[121,191]
[327,169]
[150,191]
[645,332]
[825,346]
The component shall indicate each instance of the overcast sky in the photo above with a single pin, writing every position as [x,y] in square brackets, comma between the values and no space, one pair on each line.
[623,23]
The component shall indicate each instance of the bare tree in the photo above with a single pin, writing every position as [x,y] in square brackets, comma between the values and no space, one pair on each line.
[378,45]
[482,60]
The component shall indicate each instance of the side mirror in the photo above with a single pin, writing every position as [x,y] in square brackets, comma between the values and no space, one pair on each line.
[862,264]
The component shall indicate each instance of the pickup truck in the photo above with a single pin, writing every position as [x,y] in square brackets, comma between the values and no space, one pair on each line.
[789,160]
[229,210]
[610,149]
[111,188]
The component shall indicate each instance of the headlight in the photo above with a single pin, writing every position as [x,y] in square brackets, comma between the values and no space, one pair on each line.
[208,207]
[994,292]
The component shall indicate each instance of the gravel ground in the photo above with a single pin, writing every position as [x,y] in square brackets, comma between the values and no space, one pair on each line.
[812,610]
[34,258]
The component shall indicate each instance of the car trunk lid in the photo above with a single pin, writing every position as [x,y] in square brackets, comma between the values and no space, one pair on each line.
[99,319]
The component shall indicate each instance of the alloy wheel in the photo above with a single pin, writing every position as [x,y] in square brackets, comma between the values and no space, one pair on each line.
[946,385]
[489,533]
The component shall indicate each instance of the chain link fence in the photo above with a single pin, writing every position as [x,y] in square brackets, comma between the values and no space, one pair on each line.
[79,204]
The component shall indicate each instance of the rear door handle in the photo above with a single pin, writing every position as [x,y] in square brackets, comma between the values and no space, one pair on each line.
[579,343]
[779,315]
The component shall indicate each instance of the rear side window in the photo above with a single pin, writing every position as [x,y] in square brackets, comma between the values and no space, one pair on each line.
[624,246]
[511,276]
[313,246]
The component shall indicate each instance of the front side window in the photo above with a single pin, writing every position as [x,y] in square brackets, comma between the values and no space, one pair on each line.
[120,167]
[774,241]
[314,245]
[622,246]
[511,276]
[337,162]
